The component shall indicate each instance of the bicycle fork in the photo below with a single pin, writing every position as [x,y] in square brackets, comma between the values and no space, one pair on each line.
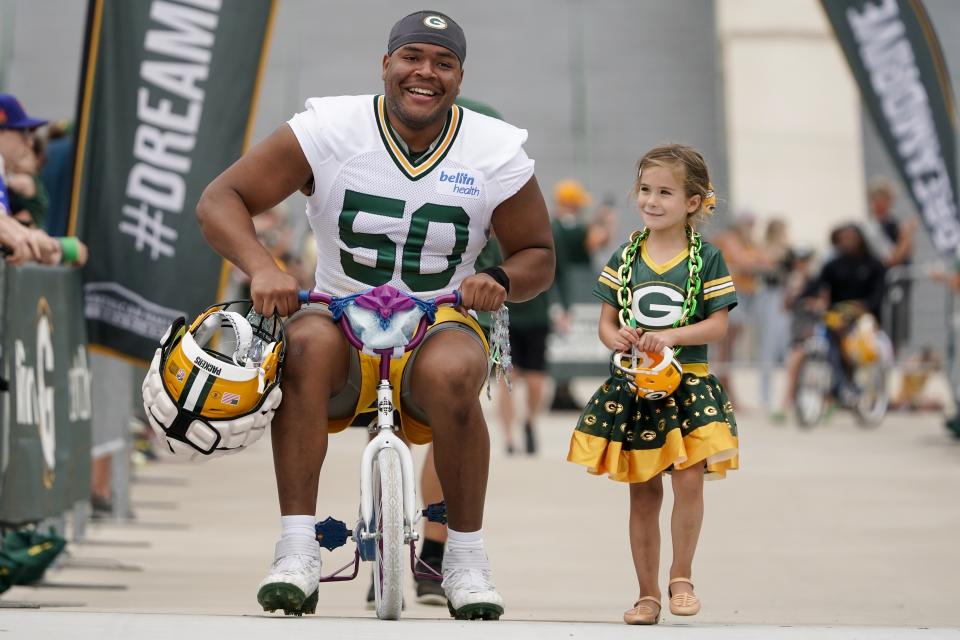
[387,438]
[332,533]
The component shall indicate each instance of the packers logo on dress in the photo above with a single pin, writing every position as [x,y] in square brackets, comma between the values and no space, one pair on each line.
[613,407]
[209,401]
[590,420]
[710,411]
[648,436]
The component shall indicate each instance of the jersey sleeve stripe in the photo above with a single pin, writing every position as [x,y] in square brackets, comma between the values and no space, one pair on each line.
[720,292]
[611,272]
[711,283]
[717,287]
[610,282]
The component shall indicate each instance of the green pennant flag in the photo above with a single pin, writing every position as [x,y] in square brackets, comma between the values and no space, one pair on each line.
[167,102]
[896,59]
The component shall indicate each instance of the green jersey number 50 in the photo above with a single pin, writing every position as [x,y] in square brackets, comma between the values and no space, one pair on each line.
[412,250]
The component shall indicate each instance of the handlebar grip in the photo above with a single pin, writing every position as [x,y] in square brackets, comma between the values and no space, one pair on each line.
[312,296]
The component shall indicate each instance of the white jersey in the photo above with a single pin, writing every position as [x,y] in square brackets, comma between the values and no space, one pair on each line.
[380,218]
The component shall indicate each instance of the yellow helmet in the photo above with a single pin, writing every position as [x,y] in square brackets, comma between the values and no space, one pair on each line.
[207,401]
[652,376]
[861,345]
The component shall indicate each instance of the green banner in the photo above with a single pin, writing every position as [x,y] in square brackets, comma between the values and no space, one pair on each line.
[45,450]
[167,103]
[896,58]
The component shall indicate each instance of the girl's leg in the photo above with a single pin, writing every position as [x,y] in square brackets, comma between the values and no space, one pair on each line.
[645,500]
[685,523]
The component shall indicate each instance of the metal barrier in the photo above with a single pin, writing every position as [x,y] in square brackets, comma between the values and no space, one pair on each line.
[45,410]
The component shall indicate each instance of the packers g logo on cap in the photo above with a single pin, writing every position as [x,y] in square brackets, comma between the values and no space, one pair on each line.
[435,22]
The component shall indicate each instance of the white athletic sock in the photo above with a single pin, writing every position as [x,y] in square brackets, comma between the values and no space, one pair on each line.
[297,526]
[465,550]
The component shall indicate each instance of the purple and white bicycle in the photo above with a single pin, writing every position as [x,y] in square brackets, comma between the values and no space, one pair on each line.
[383,322]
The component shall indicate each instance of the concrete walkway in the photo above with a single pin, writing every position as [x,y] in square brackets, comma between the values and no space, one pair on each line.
[838,532]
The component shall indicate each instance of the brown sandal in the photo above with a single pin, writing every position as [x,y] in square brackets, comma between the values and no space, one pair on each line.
[643,612]
[683,604]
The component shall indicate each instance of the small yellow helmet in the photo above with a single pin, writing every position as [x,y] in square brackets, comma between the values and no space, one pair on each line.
[207,401]
[570,193]
[652,376]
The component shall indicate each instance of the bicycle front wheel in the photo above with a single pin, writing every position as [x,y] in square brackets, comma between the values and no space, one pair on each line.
[388,505]
[873,399]
[812,390]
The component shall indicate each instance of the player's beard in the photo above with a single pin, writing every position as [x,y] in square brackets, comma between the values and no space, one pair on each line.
[411,121]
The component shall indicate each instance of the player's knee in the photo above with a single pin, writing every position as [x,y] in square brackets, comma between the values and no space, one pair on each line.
[315,349]
[451,380]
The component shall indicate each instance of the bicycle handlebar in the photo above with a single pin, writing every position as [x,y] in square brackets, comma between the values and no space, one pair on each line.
[452,299]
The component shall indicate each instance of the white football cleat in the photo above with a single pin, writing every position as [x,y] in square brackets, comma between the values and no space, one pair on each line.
[294,577]
[471,594]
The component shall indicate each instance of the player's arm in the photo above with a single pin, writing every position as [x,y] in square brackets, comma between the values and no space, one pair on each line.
[522,226]
[259,180]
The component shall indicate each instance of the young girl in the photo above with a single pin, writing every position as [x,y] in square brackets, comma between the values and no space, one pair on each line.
[666,287]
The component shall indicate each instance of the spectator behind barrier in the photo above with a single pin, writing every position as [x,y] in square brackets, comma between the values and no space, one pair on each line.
[21,242]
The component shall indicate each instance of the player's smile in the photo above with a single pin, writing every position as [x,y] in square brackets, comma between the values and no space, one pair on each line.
[420,93]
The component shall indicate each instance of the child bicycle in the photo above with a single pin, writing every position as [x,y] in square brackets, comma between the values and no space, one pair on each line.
[387,323]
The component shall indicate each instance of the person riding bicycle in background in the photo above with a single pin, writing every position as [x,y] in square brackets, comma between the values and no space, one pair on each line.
[402,189]
[851,284]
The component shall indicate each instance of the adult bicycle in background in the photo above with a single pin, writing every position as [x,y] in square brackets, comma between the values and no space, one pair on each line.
[845,363]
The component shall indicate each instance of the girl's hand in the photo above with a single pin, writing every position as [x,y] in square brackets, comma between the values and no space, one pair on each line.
[627,337]
[655,341]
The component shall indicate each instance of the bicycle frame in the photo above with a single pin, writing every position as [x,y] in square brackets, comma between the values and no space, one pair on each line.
[365,531]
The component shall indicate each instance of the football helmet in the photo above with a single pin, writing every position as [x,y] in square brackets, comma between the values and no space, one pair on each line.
[861,345]
[652,376]
[205,401]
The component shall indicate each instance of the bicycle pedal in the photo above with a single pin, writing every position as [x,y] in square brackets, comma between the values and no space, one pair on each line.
[332,533]
[436,512]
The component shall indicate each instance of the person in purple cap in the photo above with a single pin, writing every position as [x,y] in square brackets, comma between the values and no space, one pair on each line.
[19,243]
[402,188]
